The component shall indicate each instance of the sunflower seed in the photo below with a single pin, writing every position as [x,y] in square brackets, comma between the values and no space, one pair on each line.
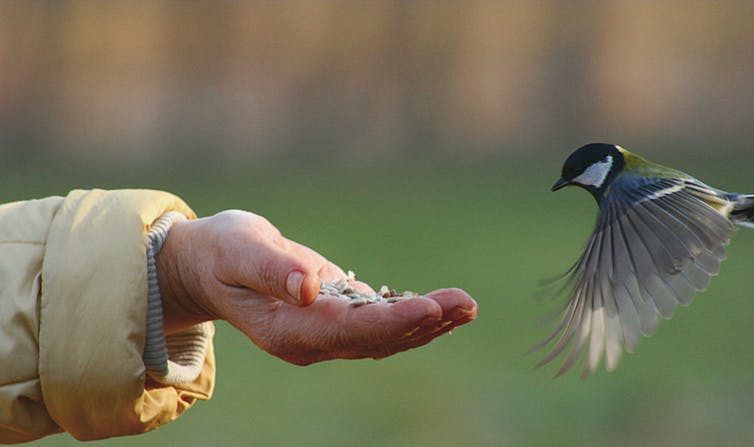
[343,288]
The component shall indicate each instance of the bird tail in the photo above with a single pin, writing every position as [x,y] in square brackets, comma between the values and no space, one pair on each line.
[743,211]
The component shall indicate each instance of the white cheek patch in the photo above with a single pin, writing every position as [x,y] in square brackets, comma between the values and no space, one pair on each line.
[595,174]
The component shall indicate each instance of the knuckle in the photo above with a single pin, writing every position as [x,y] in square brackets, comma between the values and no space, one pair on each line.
[263,224]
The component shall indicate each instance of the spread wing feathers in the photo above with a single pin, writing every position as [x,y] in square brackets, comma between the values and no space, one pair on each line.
[656,244]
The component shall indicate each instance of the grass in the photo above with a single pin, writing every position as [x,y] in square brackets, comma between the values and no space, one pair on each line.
[495,231]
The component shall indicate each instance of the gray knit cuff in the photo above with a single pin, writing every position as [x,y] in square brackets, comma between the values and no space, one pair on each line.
[177,358]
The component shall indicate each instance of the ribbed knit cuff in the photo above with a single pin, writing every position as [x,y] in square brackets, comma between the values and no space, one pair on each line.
[177,358]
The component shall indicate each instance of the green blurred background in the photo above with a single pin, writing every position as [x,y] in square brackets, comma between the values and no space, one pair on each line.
[414,143]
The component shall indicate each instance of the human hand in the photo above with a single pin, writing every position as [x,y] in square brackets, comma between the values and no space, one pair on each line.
[236,266]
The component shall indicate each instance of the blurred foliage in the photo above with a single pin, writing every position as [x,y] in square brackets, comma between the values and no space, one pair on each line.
[216,83]
[495,230]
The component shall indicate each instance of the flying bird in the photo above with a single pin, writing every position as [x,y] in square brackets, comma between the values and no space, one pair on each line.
[659,238]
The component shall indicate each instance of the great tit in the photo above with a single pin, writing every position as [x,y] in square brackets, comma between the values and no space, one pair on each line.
[660,236]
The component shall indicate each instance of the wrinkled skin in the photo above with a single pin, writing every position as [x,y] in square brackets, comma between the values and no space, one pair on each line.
[234,266]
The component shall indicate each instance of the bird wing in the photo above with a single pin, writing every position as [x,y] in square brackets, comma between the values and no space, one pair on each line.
[657,242]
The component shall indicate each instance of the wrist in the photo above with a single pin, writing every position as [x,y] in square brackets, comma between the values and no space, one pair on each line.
[173,262]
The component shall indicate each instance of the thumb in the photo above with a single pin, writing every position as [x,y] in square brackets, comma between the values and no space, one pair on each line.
[302,287]
[282,274]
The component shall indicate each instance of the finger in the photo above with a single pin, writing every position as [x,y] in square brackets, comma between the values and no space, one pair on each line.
[362,287]
[368,330]
[420,337]
[414,337]
[327,270]
[311,255]
[339,326]
[426,335]
[331,272]
[416,341]
[281,271]
[458,309]
[455,303]
[332,328]
[375,325]
[405,345]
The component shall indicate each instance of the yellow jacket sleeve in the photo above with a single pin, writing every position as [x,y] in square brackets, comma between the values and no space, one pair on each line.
[73,314]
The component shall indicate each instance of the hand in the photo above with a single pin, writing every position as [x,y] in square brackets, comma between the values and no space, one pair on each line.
[236,266]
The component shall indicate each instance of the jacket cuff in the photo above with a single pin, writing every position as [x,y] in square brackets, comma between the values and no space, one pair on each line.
[177,358]
[93,314]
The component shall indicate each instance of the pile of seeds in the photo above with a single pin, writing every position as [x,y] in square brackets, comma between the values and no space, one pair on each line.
[343,288]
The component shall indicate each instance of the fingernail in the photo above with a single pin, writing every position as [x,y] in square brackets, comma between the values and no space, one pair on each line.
[293,284]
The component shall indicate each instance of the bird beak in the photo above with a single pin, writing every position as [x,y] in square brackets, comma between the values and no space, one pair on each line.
[559,184]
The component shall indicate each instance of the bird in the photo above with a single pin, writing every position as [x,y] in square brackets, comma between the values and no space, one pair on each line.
[660,236]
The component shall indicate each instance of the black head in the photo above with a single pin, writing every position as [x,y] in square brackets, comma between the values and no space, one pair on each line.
[592,167]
